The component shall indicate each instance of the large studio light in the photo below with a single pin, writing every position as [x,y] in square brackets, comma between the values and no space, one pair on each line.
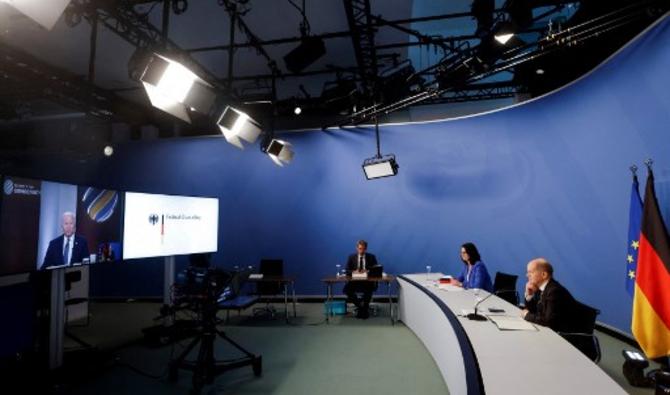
[46,13]
[174,88]
[237,126]
[281,152]
[379,167]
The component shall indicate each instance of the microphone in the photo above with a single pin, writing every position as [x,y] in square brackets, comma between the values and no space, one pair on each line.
[478,317]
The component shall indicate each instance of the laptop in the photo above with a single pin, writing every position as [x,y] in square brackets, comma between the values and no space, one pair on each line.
[376,271]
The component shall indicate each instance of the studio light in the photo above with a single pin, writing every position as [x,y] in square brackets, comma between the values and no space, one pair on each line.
[504,32]
[280,152]
[633,368]
[46,13]
[297,110]
[379,167]
[237,126]
[173,88]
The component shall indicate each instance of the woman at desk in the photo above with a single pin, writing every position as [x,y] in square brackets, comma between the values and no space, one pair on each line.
[474,274]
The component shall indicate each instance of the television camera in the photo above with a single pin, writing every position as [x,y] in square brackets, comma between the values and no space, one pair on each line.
[201,289]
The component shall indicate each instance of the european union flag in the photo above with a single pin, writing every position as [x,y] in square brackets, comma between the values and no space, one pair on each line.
[634,222]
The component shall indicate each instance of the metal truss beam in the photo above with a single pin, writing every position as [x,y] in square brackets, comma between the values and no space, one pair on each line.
[359,18]
[42,80]
[121,18]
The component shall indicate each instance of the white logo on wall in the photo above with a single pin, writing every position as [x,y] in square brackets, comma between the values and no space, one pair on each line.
[8,187]
[11,187]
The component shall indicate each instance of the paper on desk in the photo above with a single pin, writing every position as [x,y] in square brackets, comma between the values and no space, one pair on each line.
[510,323]
[256,276]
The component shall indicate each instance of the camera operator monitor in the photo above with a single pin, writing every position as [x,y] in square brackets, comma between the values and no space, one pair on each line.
[165,225]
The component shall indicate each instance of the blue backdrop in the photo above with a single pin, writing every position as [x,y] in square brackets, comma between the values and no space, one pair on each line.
[546,178]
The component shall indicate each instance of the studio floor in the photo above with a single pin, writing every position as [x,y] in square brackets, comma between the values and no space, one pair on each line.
[305,356]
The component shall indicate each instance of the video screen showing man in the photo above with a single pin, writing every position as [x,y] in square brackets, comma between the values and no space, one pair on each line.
[68,248]
[360,262]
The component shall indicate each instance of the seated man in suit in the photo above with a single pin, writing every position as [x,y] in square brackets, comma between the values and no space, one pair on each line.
[360,261]
[548,303]
[67,248]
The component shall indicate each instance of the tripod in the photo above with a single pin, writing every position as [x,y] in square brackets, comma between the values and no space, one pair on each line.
[206,367]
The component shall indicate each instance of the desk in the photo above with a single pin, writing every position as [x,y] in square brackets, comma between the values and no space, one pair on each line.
[475,357]
[388,280]
[284,281]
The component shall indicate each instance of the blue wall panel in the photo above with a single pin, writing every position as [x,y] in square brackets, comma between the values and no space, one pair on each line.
[546,178]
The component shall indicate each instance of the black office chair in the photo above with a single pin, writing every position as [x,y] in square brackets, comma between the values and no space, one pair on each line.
[269,268]
[582,336]
[504,286]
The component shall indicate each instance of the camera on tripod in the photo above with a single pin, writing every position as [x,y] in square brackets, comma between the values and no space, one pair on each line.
[201,289]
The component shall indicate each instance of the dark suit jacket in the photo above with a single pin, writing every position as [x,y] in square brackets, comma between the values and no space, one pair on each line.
[554,307]
[352,262]
[360,285]
[54,255]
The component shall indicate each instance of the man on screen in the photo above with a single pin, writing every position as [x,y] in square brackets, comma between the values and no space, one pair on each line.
[67,248]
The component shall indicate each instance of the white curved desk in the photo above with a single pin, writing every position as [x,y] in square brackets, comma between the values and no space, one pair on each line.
[498,362]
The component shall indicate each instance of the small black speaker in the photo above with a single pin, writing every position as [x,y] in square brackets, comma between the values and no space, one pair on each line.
[309,50]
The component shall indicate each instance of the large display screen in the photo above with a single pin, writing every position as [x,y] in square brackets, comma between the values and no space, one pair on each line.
[164,225]
[48,225]
[45,225]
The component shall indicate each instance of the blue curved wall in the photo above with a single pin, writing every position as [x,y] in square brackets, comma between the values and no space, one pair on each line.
[547,178]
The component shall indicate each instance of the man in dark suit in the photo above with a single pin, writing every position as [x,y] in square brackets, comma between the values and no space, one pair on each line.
[67,248]
[360,262]
[548,303]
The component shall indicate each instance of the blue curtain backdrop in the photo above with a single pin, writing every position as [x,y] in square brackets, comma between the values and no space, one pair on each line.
[547,178]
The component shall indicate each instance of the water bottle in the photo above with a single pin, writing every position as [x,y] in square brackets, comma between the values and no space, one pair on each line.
[338,274]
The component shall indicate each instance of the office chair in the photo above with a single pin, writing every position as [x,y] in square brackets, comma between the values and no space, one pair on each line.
[269,268]
[70,278]
[583,337]
[504,286]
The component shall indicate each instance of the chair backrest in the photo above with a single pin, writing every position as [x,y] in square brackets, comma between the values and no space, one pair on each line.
[585,316]
[270,267]
[504,285]
[72,277]
[582,325]
[504,282]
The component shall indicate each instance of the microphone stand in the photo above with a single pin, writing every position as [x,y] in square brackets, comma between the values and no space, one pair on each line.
[478,317]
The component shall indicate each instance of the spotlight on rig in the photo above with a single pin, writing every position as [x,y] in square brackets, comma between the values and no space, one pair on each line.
[379,167]
[281,152]
[46,13]
[237,126]
[310,49]
[175,89]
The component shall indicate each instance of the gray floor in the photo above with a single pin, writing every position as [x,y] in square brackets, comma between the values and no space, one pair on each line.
[304,357]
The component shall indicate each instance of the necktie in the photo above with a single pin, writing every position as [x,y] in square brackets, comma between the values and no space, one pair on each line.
[360,262]
[66,252]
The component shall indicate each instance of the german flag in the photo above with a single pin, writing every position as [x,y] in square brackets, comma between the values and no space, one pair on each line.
[651,303]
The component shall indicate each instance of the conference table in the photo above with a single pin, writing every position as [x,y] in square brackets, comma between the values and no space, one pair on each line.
[386,279]
[475,357]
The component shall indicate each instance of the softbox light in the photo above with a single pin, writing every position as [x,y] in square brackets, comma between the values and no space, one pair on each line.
[281,152]
[380,166]
[46,13]
[173,88]
[237,126]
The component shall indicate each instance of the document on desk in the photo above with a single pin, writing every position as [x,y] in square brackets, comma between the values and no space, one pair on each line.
[509,323]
